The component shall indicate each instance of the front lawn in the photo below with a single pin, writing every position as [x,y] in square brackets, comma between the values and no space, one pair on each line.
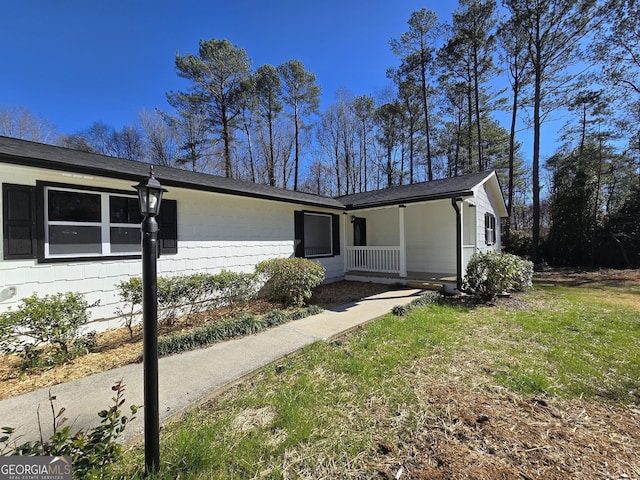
[545,384]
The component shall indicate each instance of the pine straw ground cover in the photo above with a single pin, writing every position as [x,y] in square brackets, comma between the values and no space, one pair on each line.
[543,385]
[117,347]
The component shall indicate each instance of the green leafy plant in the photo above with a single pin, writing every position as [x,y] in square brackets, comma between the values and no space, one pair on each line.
[186,295]
[492,273]
[246,324]
[45,329]
[427,298]
[290,280]
[130,292]
[90,451]
[235,288]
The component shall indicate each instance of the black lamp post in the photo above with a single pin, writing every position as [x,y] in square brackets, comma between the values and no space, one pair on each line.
[150,195]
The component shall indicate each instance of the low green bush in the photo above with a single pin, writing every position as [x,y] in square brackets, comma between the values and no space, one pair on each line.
[246,324]
[290,281]
[130,292]
[91,451]
[45,330]
[492,273]
[427,298]
[186,295]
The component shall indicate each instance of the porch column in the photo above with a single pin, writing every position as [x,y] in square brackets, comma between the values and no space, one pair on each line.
[403,243]
[345,254]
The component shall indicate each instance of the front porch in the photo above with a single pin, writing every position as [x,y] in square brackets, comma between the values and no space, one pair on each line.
[425,280]
[427,243]
[387,264]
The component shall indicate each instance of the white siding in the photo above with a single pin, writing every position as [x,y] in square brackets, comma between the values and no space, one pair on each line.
[215,232]
[484,205]
[431,237]
[382,227]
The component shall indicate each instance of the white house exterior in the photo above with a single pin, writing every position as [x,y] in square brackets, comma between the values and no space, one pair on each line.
[70,223]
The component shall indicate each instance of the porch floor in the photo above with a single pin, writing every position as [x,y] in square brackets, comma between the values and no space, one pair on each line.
[423,279]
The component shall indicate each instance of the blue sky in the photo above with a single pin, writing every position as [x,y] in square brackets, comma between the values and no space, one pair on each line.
[75,62]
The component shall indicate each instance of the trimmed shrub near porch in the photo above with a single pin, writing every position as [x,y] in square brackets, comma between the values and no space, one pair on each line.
[290,281]
[492,273]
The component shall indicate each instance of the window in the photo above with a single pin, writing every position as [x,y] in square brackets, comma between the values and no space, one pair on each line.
[489,229]
[79,223]
[76,223]
[317,235]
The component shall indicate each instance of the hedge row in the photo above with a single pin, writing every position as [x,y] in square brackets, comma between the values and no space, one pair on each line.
[289,281]
[246,324]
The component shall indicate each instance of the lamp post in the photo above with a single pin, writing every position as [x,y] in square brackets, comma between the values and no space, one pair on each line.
[150,195]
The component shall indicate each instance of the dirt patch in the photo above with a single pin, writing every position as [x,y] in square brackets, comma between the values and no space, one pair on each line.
[489,433]
[116,348]
[576,278]
[339,293]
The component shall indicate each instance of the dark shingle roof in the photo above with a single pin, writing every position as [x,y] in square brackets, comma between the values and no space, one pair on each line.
[417,192]
[23,152]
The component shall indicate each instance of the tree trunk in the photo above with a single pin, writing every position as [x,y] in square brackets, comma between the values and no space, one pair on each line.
[226,137]
[297,145]
[535,250]
[425,106]
[512,147]
[476,88]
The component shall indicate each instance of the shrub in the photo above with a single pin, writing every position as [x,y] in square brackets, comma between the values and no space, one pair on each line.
[290,281]
[519,243]
[246,324]
[186,294]
[172,295]
[427,298]
[52,320]
[275,317]
[130,292]
[235,288]
[492,273]
[90,451]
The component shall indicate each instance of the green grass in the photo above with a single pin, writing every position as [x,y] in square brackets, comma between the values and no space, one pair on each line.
[336,403]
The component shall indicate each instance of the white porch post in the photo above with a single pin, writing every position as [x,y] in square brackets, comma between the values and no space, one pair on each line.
[403,243]
[345,254]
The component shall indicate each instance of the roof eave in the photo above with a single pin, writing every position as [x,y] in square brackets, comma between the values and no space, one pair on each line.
[135,176]
[401,201]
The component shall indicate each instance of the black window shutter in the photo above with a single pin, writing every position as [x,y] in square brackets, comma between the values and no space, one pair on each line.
[335,229]
[168,228]
[18,221]
[298,226]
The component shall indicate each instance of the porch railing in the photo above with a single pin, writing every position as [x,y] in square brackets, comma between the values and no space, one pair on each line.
[373,259]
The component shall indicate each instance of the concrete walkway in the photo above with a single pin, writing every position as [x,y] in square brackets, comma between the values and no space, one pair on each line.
[189,378]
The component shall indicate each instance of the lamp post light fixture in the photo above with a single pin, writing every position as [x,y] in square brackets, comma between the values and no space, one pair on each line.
[150,196]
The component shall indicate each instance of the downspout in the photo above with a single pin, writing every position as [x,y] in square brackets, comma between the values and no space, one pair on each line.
[454,204]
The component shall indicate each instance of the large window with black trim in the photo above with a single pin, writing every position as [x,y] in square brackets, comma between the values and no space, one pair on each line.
[316,234]
[54,222]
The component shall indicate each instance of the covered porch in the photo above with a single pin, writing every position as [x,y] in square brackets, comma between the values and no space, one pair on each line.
[426,280]
[420,243]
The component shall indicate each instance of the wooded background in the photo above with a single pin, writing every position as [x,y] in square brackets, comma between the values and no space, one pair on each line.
[443,115]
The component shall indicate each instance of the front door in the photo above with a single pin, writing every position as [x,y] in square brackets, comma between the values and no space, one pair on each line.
[359,232]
